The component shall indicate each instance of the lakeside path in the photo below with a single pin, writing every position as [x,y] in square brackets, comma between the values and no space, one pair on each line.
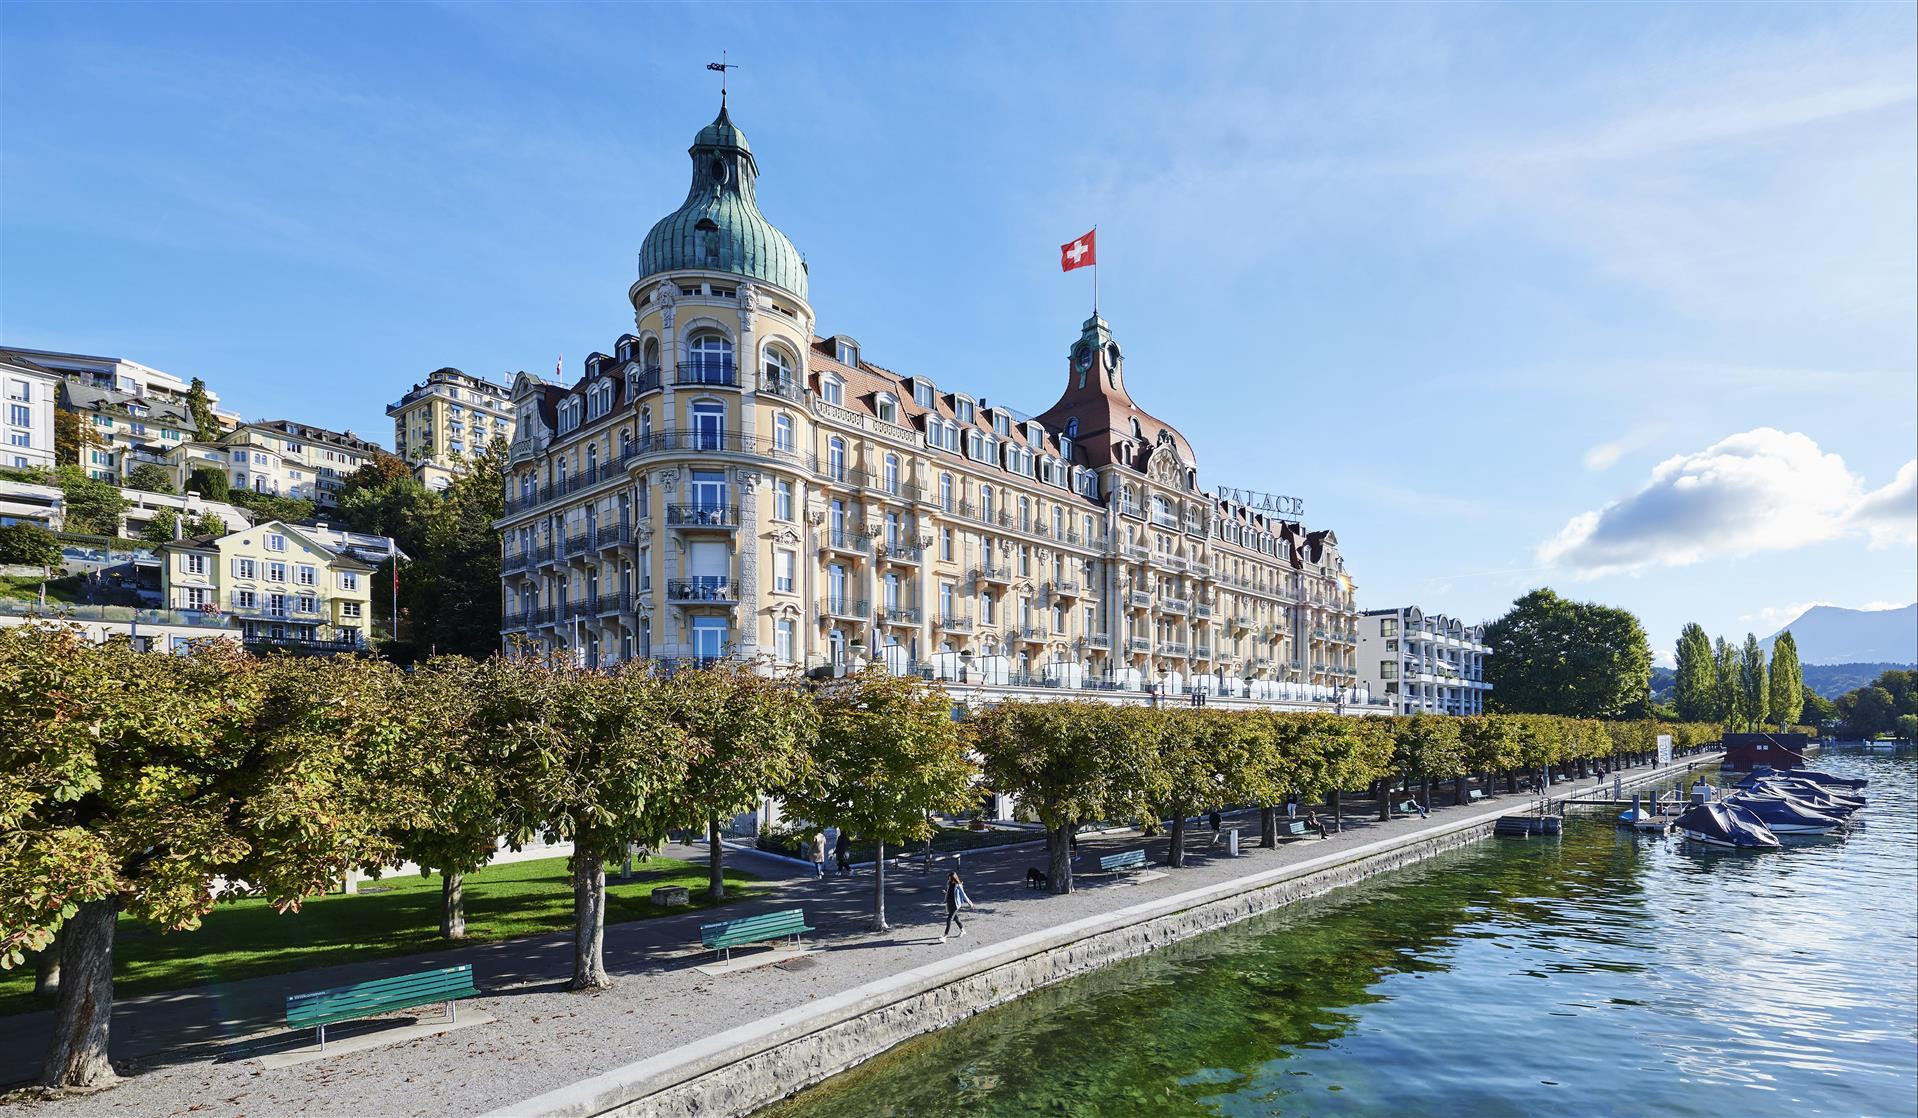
[188,1051]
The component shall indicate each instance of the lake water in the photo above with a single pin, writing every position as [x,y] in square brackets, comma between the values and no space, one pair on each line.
[1600,973]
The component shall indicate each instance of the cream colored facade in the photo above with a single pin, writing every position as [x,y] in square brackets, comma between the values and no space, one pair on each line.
[446,417]
[281,457]
[281,584]
[26,426]
[727,483]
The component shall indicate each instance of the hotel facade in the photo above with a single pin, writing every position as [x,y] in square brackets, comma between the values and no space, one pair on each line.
[731,482]
[445,418]
[1423,663]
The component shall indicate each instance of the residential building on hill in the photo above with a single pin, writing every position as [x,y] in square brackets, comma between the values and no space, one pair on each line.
[305,588]
[446,417]
[32,392]
[1423,663]
[281,457]
[728,482]
[118,374]
[150,630]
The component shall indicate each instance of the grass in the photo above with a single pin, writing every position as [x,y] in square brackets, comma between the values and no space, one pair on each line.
[27,588]
[392,916]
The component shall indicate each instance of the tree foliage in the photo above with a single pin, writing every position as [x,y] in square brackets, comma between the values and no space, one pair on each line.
[73,436]
[1754,691]
[271,506]
[1695,688]
[1787,686]
[206,425]
[28,545]
[209,482]
[91,506]
[1551,655]
[151,477]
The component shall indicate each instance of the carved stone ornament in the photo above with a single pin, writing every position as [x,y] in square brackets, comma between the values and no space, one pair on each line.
[783,535]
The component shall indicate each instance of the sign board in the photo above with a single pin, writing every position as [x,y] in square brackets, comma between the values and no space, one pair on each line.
[1263,502]
[1664,750]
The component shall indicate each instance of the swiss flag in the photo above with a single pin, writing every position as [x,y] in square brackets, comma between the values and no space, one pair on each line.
[1079,253]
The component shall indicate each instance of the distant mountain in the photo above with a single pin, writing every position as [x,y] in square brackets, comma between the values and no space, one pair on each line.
[1831,635]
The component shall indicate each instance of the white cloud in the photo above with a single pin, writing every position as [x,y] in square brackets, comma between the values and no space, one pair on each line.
[1760,490]
[1603,456]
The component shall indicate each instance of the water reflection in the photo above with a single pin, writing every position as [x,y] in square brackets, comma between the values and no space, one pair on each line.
[1602,973]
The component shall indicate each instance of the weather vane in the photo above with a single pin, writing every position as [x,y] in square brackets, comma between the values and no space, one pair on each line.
[722,66]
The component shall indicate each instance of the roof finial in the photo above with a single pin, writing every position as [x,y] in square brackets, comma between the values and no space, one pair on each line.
[722,66]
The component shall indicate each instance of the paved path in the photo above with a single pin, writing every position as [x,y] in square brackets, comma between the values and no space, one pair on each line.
[185,1052]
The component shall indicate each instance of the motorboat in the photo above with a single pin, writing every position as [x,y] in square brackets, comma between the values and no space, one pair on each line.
[1785,815]
[1811,795]
[1825,779]
[1718,823]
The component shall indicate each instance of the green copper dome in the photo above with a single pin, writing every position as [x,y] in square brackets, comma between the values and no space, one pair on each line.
[719,228]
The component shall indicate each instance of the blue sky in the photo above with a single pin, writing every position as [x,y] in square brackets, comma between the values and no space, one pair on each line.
[1616,298]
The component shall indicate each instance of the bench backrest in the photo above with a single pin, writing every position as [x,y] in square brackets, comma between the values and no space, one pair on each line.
[1293,827]
[378,995]
[767,925]
[1124,858]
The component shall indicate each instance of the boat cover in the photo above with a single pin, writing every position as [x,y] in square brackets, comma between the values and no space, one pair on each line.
[1784,811]
[1727,823]
[1813,796]
[1821,778]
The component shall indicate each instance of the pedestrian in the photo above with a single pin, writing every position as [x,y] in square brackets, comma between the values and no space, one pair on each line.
[1214,820]
[842,854]
[817,849]
[1072,836]
[955,897]
[1292,806]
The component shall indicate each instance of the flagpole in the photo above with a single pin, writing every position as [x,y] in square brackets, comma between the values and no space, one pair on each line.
[1095,275]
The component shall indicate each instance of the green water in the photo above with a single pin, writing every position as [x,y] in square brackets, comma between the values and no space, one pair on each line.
[1598,974]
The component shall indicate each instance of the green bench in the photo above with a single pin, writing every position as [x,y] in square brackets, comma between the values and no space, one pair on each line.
[1473,795]
[321,1008]
[724,935]
[1124,860]
[1295,828]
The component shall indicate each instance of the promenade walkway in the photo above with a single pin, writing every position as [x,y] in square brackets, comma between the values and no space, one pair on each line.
[193,1051]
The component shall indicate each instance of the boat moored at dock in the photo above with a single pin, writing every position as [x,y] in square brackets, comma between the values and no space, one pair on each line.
[1721,823]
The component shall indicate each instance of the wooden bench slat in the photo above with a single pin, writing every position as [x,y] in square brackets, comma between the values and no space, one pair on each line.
[364,999]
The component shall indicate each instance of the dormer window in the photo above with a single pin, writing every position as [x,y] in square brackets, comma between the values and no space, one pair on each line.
[847,352]
[886,407]
[962,408]
[924,394]
[832,390]
[1035,434]
[1001,424]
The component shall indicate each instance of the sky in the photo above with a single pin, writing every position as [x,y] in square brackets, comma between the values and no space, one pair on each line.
[1618,299]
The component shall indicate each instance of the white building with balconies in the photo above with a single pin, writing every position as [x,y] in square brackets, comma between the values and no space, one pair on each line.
[1423,663]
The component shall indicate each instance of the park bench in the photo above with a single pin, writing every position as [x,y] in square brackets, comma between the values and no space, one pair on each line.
[321,1008]
[1124,860]
[724,935]
[1295,828]
[1473,795]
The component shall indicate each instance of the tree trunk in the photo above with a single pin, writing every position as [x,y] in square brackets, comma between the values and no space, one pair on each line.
[1382,788]
[715,861]
[1458,790]
[1338,809]
[1425,792]
[1175,857]
[77,1052]
[46,970]
[589,923]
[1269,827]
[1059,858]
[879,888]
[452,905]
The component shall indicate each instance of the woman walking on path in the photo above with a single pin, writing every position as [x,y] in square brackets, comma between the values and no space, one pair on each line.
[955,896]
[818,852]
[842,853]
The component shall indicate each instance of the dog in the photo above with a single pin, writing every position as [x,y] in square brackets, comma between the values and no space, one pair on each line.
[1037,878]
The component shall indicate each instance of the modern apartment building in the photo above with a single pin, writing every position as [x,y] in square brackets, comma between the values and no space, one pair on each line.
[129,387]
[730,483]
[1423,663]
[31,393]
[445,417]
[284,585]
[279,456]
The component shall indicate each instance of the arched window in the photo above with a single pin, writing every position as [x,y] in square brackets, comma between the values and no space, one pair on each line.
[783,432]
[1072,427]
[709,360]
[651,352]
[832,390]
[778,367]
[645,427]
[592,460]
[886,407]
[1138,432]
[836,458]
[625,443]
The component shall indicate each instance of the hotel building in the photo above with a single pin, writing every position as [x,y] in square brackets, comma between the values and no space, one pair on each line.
[1423,663]
[278,456]
[445,417]
[730,482]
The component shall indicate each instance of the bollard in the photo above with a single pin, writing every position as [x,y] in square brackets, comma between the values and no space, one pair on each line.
[1232,842]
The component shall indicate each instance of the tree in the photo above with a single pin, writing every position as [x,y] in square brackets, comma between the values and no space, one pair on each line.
[751,734]
[1754,695]
[381,471]
[92,506]
[1817,709]
[1725,666]
[207,524]
[271,506]
[73,436]
[1067,762]
[1695,688]
[157,785]
[151,477]
[1429,747]
[206,426]
[209,482]
[1906,728]
[1551,655]
[595,759]
[452,778]
[1787,686]
[162,527]
[1868,712]
[29,545]
[889,755]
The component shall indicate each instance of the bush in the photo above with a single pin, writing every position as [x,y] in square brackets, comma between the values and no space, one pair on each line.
[209,483]
[151,477]
[270,506]
[29,545]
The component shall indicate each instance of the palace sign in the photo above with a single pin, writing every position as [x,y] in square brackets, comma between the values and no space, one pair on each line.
[1263,502]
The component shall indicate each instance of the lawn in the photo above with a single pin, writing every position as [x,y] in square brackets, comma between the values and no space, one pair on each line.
[26,587]
[392,916]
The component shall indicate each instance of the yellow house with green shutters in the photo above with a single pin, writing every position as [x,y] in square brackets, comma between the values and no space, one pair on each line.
[291,586]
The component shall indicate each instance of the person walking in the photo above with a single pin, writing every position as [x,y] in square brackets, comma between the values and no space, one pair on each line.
[817,849]
[955,897]
[842,854]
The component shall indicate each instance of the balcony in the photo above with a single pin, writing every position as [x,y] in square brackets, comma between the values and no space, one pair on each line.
[953,623]
[647,380]
[1202,652]
[612,535]
[575,543]
[1036,633]
[1134,552]
[1130,510]
[906,554]
[700,589]
[1201,569]
[844,607]
[849,543]
[708,373]
[1243,622]
[1100,641]
[703,516]
[1064,588]
[1173,648]
[1172,562]
[1163,520]
[621,602]
[1202,612]
[1002,575]
[784,389]
[586,605]
[515,561]
[1175,605]
[900,615]
[1138,599]
[1138,644]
